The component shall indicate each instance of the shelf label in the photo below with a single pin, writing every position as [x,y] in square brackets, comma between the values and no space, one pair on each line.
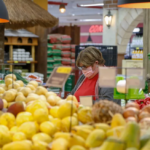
[15,62]
[66,70]
[107,77]
[86,100]
[28,62]
[59,77]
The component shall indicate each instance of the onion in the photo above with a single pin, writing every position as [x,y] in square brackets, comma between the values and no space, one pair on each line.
[131,119]
[145,123]
[146,108]
[144,114]
[131,112]
[132,104]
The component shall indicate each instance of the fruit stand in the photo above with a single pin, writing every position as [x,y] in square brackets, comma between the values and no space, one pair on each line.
[33,118]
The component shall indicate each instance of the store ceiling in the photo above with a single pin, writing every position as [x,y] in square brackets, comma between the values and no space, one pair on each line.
[75,14]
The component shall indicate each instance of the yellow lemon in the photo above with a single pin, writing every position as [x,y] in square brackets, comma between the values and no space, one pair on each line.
[40,145]
[41,137]
[28,128]
[40,115]
[50,118]
[23,117]
[14,129]
[19,136]
[7,119]
[48,128]
[54,111]
[57,123]
[5,103]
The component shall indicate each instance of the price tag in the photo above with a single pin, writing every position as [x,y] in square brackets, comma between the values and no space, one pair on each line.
[15,62]
[86,100]
[59,77]
[107,77]
[66,70]
[28,62]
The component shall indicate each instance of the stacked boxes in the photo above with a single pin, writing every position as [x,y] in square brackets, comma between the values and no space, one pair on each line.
[21,55]
[61,52]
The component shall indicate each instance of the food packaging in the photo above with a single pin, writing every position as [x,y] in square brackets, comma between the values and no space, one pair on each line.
[66,61]
[66,54]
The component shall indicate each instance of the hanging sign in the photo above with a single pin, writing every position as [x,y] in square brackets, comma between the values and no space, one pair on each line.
[96,29]
[59,77]
[107,77]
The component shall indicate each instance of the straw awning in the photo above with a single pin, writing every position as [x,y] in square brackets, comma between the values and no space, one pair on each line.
[25,13]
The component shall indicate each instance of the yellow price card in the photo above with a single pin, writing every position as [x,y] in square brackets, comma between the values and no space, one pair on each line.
[28,62]
[66,70]
[15,62]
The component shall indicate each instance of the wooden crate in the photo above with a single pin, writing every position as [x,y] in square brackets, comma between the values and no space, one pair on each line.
[24,41]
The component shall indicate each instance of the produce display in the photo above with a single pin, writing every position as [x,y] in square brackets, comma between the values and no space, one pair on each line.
[32,118]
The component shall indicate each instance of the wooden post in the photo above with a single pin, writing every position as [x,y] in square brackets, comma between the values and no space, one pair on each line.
[146,40]
[2,26]
[33,56]
[11,56]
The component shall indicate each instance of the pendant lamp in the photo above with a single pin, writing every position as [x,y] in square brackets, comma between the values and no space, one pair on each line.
[134,3]
[3,13]
[89,40]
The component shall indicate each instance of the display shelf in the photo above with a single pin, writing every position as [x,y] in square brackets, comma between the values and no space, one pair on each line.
[24,62]
[21,38]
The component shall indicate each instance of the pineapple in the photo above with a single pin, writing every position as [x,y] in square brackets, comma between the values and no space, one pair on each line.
[103,111]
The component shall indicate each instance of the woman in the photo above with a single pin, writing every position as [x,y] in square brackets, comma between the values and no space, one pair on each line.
[89,60]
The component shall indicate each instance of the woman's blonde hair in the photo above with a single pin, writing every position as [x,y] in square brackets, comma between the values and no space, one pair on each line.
[88,56]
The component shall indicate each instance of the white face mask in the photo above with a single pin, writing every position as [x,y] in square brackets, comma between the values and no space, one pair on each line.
[88,72]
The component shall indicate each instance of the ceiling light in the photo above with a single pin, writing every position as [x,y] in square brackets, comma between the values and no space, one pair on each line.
[136,30]
[3,13]
[90,20]
[62,8]
[96,4]
[73,14]
[134,3]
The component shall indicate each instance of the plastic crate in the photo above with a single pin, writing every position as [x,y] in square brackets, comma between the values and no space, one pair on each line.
[109,53]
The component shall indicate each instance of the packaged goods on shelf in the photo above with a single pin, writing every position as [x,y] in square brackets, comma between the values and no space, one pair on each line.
[72,55]
[59,39]
[73,48]
[66,54]
[66,61]
[63,47]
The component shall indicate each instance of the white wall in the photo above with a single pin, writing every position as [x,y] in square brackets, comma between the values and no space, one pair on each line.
[110,34]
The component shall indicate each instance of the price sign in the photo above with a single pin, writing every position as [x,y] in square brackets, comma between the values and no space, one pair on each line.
[15,62]
[59,77]
[135,78]
[107,77]
[66,70]
[86,100]
[28,62]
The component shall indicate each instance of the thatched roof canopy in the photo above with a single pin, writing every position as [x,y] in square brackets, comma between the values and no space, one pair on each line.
[25,13]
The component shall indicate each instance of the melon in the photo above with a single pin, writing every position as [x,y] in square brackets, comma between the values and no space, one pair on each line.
[52,100]
[1,95]
[13,86]
[20,83]
[26,91]
[50,93]
[8,81]
[31,87]
[14,90]
[42,97]
[2,90]
[61,102]
[41,90]
[34,83]
[20,98]
[31,97]
[12,76]
[9,96]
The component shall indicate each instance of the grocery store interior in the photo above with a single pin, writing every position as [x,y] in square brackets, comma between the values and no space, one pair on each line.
[74,75]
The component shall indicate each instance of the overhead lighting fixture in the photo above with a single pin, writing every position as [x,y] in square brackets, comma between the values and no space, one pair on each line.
[88,5]
[73,14]
[3,13]
[90,20]
[89,40]
[62,8]
[108,19]
[134,3]
[136,30]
